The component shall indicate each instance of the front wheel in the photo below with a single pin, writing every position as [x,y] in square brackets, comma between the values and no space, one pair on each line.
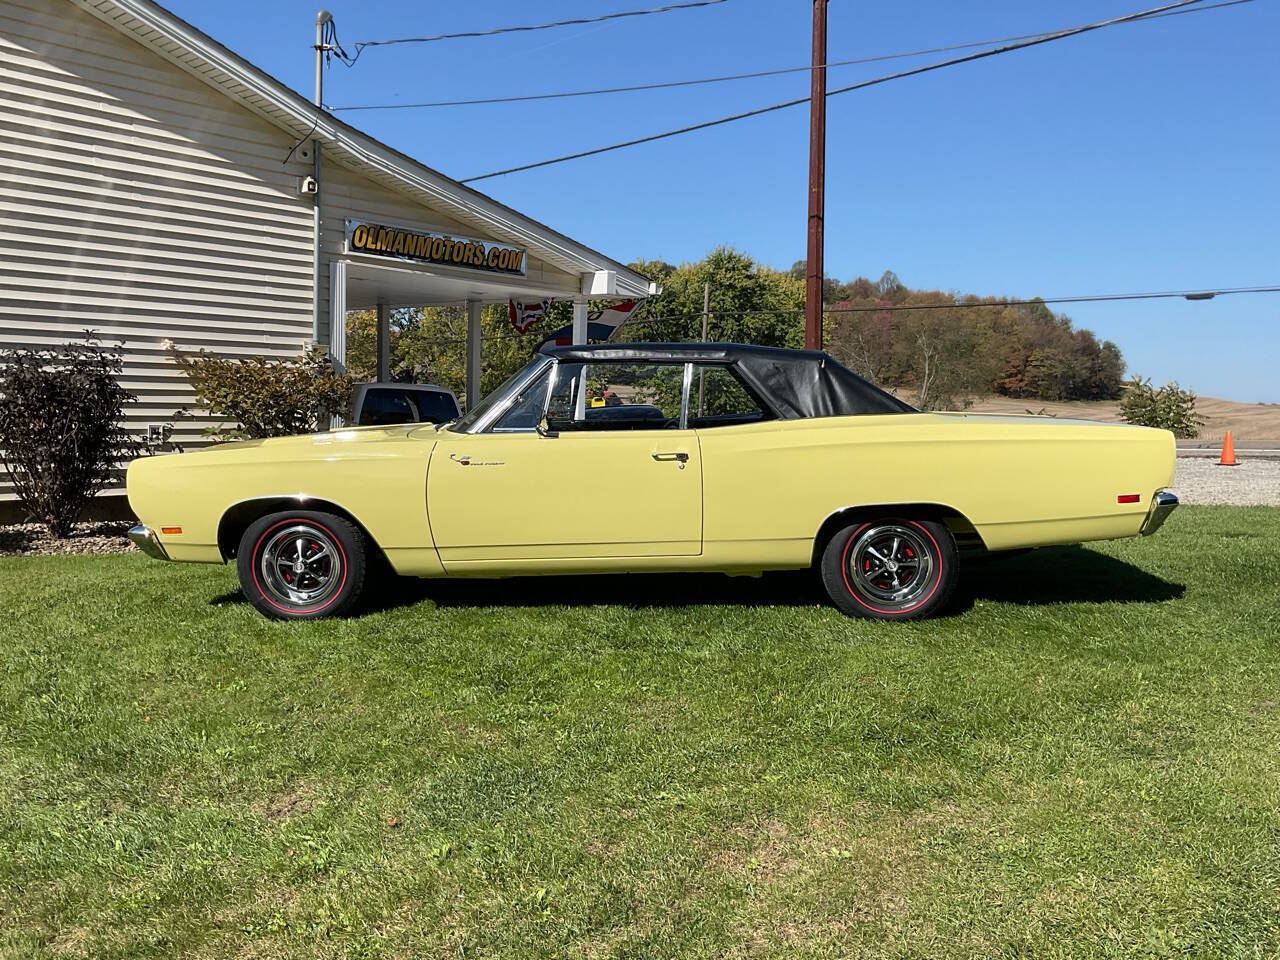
[891,568]
[301,565]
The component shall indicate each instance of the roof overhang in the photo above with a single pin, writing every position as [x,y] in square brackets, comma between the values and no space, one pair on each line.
[209,61]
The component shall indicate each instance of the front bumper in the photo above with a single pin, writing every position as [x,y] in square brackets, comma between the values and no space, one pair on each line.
[1162,504]
[144,538]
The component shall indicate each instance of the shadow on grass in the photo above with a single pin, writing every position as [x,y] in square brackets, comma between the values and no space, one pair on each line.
[1052,575]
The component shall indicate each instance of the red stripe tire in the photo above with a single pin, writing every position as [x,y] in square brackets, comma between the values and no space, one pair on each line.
[890,568]
[302,565]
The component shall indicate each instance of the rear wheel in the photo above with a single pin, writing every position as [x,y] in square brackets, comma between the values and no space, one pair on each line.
[302,565]
[891,568]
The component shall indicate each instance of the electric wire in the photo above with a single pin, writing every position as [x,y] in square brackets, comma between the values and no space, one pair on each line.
[527,28]
[893,308]
[671,84]
[914,71]
[329,47]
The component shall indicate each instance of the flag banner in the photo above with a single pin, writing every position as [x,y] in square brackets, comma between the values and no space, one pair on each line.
[596,333]
[524,315]
[612,317]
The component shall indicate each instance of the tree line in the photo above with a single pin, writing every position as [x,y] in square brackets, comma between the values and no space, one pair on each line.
[934,348]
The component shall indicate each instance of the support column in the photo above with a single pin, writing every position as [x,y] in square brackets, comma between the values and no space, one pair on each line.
[338,314]
[580,336]
[474,338]
[384,343]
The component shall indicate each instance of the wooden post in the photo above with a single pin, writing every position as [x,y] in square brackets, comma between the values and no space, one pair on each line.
[817,179]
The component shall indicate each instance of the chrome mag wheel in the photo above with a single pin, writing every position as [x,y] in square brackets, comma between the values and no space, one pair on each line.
[889,565]
[301,565]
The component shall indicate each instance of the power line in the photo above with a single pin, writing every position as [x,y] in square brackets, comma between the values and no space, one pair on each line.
[914,71]
[672,84]
[893,308]
[526,28]
[1090,298]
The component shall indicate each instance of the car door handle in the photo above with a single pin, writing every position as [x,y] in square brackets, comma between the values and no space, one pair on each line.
[673,455]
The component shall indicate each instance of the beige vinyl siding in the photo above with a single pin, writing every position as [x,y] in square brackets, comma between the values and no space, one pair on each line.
[137,201]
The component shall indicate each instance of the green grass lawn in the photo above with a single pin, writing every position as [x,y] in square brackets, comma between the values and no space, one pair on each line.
[1081,760]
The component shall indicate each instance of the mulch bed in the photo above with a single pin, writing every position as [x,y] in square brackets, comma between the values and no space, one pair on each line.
[32,539]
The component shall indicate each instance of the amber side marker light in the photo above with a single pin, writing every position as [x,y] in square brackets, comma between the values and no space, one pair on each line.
[1128,498]
[171,530]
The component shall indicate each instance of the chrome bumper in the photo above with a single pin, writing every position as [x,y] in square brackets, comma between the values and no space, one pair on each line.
[144,538]
[1162,505]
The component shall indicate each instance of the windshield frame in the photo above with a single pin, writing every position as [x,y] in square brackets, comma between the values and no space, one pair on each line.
[482,415]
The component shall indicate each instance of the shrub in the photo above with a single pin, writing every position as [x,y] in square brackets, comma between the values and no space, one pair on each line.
[60,426]
[1168,408]
[268,398]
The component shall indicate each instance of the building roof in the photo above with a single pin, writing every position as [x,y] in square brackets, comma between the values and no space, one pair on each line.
[795,383]
[208,60]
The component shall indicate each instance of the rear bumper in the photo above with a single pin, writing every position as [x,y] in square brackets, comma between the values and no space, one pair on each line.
[144,538]
[1162,504]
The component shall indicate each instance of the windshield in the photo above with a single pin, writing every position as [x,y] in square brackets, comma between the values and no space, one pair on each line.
[481,408]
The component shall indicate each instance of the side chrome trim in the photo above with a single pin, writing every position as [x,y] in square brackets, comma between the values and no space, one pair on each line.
[144,538]
[1162,504]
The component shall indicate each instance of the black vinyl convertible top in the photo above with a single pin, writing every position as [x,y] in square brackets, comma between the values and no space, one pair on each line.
[797,384]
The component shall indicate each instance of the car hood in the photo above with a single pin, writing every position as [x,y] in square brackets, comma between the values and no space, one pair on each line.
[314,441]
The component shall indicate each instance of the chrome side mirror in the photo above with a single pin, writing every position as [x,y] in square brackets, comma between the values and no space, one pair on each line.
[544,428]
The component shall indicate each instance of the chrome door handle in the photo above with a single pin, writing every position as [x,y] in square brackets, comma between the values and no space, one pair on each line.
[674,455]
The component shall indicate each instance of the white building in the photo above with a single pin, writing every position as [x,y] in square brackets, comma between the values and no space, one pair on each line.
[145,194]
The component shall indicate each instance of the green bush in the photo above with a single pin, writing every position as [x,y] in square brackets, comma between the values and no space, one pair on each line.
[1168,408]
[267,398]
[60,426]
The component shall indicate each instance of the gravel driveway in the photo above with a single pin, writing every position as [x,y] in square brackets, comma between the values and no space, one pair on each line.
[1201,480]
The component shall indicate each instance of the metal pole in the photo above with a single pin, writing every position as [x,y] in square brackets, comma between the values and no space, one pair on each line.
[474,341]
[580,336]
[384,344]
[706,311]
[817,179]
[322,18]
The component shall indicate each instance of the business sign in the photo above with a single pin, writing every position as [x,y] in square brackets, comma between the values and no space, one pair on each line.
[422,246]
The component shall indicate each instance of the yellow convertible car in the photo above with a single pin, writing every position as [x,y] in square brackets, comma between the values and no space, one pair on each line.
[650,457]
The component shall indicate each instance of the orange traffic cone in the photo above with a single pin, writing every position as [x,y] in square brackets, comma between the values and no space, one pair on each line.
[1228,453]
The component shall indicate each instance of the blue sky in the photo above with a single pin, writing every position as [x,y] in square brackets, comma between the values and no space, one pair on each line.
[1139,158]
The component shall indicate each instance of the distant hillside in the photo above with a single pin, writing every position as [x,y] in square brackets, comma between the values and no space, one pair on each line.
[933,347]
[943,347]
[1255,424]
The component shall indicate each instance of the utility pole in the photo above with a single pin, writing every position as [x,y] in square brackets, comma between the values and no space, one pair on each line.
[817,179]
[322,20]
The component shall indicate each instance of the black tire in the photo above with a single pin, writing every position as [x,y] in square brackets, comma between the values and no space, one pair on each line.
[914,582]
[302,565]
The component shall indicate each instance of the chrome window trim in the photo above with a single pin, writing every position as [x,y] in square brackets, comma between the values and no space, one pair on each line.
[504,403]
[684,396]
[551,387]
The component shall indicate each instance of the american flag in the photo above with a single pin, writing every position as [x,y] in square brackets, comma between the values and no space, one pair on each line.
[524,315]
